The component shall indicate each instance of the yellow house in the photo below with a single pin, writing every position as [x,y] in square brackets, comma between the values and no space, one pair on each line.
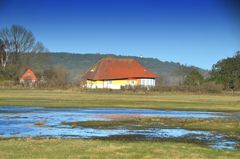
[113,73]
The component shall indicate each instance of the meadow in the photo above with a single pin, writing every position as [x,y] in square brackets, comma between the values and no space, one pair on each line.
[120,99]
[104,148]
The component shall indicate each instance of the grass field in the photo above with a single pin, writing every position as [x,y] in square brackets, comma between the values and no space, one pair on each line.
[168,101]
[89,148]
[92,149]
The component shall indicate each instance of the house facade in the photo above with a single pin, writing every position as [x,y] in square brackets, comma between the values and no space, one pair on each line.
[28,78]
[115,73]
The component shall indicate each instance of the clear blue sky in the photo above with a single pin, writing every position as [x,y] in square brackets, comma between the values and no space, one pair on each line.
[192,32]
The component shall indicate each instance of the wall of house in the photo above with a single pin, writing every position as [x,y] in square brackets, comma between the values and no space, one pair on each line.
[116,84]
[22,80]
[147,82]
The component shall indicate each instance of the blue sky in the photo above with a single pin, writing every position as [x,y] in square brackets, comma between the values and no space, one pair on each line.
[192,32]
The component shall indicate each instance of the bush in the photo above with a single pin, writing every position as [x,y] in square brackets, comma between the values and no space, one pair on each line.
[212,87]
[56,77]
[206,87]
[7,84]
[194,78]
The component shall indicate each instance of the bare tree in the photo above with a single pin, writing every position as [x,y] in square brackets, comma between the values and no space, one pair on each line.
[39,47]
[20,40]
[3,54]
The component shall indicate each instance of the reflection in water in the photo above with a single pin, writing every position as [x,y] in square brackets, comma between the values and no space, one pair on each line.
[21,122]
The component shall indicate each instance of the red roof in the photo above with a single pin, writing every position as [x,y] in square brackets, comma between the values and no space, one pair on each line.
[29,75]
[117,68]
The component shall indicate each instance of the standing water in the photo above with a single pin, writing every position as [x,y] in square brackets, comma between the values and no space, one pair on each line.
[47,122]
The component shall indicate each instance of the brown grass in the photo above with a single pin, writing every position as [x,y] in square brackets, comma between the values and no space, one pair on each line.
[40,123]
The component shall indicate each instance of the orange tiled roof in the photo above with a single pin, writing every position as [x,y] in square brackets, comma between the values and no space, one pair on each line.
[117,68]
[29,75]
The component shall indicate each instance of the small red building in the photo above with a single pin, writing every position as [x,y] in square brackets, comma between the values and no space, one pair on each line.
[28,77]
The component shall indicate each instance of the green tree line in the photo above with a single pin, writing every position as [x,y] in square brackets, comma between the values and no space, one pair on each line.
[225,72]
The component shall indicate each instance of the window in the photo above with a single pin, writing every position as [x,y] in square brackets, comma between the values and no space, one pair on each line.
[131,82]
[147,82]
[151,82]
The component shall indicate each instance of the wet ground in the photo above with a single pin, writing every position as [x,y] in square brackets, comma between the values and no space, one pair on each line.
[47,122]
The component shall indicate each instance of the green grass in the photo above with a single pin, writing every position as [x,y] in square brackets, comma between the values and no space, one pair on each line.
[167,101]
[99,149]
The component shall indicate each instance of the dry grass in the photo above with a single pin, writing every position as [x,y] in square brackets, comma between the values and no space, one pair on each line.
[39,123]
[169,101]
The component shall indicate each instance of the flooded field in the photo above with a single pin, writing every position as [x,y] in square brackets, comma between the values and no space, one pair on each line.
[51,122]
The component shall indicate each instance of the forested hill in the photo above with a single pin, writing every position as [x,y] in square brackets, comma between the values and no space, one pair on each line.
[171,73]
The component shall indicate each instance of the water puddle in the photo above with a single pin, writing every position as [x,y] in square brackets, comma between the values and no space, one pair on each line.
[47,122]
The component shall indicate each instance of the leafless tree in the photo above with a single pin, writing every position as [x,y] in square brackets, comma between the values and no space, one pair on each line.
[20,40]
[3,54]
